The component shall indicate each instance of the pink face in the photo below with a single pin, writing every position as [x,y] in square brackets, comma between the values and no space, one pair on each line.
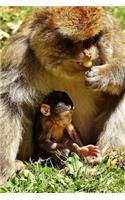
[64,119]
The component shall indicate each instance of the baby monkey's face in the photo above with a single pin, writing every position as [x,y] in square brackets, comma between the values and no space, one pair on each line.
[62,114]
[63,119]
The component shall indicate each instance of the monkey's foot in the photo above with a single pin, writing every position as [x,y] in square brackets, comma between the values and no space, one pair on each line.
[98,77]
[7,169]
[94,159]
[20,165]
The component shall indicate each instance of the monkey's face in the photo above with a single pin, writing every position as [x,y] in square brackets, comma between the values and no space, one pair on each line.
[62,114]
[60,35]
[58,107]
[63,119]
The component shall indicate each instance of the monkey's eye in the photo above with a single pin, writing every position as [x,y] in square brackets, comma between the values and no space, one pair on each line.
[90,41]
[69,43]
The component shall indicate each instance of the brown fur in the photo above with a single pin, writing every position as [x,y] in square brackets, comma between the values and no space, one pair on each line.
[50,136]
[42,57]
[53,129]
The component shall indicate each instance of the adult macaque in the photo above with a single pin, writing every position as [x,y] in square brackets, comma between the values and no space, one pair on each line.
[46,54]
[54,129]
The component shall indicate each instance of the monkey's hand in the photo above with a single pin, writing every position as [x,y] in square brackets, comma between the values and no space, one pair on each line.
[65,151]
[89,151]
[105,78]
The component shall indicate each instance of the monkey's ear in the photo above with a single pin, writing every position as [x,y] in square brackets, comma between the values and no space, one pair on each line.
[45,109]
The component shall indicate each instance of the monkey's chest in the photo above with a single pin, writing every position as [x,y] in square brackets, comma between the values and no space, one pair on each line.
[56,133]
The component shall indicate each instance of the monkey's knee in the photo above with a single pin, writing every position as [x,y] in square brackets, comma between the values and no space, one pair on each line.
[112,144]
[7,169]
[19,165]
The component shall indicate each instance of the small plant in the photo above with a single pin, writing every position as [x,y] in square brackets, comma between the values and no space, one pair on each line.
[74,166]
[115,160]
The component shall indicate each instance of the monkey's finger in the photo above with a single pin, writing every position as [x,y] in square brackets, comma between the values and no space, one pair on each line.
[94,153]
[77,149]
[95,85]
[93,79]
[75,145]
[94,150]
[97,70]
[85,151]
[97,77]
[93,147]
[81,149]
[91,73]
[87,148]
[101,67]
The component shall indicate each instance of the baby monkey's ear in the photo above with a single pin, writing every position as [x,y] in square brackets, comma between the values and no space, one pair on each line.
[45,109]
[73,108]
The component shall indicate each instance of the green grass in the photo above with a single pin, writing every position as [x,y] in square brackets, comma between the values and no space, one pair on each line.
[118,12]
[16,14]
[77,176]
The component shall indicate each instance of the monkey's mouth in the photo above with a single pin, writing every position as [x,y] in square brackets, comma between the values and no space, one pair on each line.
[79,66]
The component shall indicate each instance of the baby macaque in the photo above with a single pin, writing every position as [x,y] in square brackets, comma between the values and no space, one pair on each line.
[54,129]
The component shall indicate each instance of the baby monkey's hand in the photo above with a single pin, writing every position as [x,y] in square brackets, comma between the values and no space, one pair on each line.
[90,151]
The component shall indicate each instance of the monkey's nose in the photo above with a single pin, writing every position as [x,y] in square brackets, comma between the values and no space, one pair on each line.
[87,53]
